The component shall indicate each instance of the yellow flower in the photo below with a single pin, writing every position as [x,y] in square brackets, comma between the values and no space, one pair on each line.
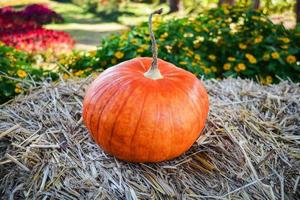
[236,69]
[284,46]
[206,29]
[185,48]
[119,54]
[197,57]
[284,39]
[18,90]
[291,59]
[182,62]
[197,41]
[212,57]
[231,59]
[255,18]
[269,79]
[140,50]
[233,28]
[266,57]
[188,35]
[275,55]
[214,69]
[192,18]
[112,37]
[251,58]
[197,45]
[207,70]
[240,67]
[258,39]
[92,53]
[21,73]
[180,44]
[190,53]
[197,29]
[65,76]
[164,35]
[79,73]
[124,37]
[95,74]
[169,48]
[2,43]
[226,11]
[113,61]
[228,20]
[262,80]
[227,66]
[212,21]
[242,46]
[134,41]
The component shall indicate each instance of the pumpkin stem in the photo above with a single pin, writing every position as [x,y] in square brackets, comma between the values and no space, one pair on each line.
[153,71]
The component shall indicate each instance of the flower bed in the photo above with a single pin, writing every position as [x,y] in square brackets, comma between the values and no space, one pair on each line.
[23,30]
[40,41]
[222,42]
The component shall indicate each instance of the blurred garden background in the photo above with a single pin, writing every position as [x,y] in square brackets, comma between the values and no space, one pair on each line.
[47,41]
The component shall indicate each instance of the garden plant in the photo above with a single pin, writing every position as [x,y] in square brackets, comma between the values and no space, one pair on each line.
[222,42]
[17,73]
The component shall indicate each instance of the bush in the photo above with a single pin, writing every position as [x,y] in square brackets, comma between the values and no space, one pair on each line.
[38,13]
[17,73]
[222,42]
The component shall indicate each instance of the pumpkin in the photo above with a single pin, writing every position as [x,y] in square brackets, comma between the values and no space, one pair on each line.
[145,115]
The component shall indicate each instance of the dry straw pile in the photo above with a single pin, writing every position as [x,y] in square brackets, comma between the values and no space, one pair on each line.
[250,150]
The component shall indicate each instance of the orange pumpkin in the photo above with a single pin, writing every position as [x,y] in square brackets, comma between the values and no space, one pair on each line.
[142,115]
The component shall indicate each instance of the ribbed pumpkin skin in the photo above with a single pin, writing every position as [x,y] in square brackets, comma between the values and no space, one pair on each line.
[138,119]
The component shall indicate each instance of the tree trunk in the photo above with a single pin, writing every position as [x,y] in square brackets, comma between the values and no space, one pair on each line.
[298,11]
[256,4]
[229,2]
[174,5]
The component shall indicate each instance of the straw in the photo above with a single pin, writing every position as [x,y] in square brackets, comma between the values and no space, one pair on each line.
[250,149]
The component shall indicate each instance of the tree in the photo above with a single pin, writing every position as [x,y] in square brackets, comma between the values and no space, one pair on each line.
[298,11]
[229,2]
[174,5]
[256,4]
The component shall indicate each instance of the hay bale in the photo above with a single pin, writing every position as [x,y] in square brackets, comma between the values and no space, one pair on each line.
[250,149]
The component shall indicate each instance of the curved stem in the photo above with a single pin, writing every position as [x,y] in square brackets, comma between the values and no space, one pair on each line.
[153,71]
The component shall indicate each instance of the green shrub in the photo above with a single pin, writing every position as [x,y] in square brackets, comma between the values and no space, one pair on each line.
[219,43]
[17,73]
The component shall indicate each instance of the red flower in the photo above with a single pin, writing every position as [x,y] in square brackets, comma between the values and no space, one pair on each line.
[23,30]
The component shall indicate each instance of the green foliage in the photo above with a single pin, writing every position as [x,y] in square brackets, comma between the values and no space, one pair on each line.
[17,73]
[279,6]
[267,6]
[220,43]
